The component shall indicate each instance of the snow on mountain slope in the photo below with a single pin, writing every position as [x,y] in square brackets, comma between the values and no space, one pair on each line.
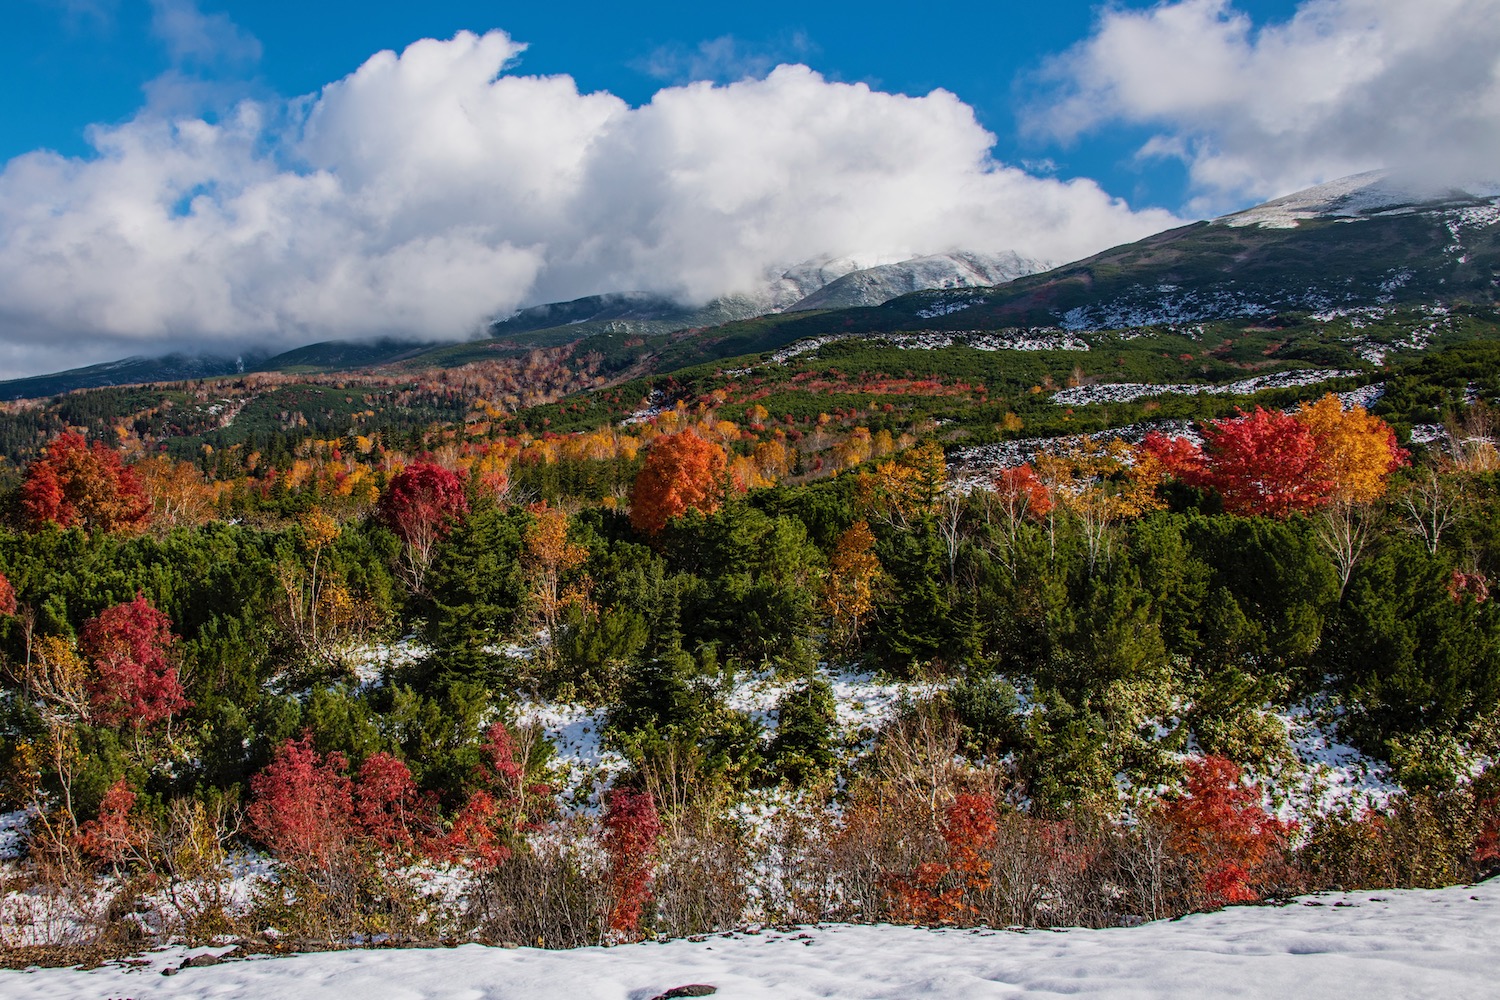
[875,285]
[821,283]
[1390,943]
[1374,193]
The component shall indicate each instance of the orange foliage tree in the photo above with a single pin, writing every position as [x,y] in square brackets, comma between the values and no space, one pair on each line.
[683,472]
[178,493]
[1355,451]
[75,483]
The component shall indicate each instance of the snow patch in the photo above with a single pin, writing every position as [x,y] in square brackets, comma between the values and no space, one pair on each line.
[1124,392]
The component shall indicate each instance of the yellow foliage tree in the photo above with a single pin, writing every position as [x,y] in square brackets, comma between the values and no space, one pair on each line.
[853,575]
[1356,451]
[548,558]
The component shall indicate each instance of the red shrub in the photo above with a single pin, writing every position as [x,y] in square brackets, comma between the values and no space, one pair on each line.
[631,830]
[133,680]
[938,891]
[113,835]
[302,806]
[1221,823]
[500,809]
[385,801]
[7,597]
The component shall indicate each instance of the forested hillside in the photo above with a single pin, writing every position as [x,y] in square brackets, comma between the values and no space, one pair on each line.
[867,630]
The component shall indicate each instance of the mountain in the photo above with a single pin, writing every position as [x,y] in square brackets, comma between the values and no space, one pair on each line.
[129,371]
[1362,242]
[873,286]
[822,283]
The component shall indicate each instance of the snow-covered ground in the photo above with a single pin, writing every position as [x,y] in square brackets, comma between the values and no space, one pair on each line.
[1408,944]
[1124,392]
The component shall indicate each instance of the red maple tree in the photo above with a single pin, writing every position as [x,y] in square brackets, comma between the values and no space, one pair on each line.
[85,485]
[419,505]
[133,680]
[7,596]
[682,472]
[1261,462]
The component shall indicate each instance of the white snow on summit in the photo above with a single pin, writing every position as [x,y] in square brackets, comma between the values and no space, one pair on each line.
[1377,192]
[874,285]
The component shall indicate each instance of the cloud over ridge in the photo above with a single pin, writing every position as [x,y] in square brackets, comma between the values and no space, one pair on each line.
[1341,87]
[429,190]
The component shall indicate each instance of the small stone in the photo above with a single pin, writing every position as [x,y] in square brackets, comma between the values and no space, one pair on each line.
[691,990]
[199,961]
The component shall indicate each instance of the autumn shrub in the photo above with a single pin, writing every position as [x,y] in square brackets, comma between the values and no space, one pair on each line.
[555,894]
[631,831]
[940,890]
[703,876]
[340,839]
[504,803]
[1220,822]
[133,679]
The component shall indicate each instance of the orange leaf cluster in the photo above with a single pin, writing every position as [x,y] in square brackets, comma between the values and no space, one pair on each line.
[682,472]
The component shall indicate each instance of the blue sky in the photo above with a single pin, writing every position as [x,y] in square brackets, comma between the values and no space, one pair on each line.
[218,174]
[68,64]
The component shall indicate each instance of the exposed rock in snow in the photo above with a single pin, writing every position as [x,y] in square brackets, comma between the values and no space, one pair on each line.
[1124,392]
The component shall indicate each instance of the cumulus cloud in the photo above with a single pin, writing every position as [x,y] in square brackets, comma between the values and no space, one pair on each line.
[430,190]
[1341,87]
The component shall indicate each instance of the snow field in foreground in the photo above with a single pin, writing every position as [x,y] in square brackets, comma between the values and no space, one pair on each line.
[1409,944]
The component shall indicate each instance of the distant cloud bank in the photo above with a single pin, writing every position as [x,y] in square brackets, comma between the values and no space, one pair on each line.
[430,190]
[1341,87]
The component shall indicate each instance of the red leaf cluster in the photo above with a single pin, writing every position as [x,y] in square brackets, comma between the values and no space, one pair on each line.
[498,811]
[1462,586]
[133,680]
[1021,491]
[631,830]
[937,891]
[1221,823]
[88,486]
[420,500]
[7,596]
[112,836]
[1261,462]
[308,811]
[682,472]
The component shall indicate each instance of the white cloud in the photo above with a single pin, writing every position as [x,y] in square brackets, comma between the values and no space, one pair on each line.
[1342,86]
[723,59]
[428,191]
[191,36]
